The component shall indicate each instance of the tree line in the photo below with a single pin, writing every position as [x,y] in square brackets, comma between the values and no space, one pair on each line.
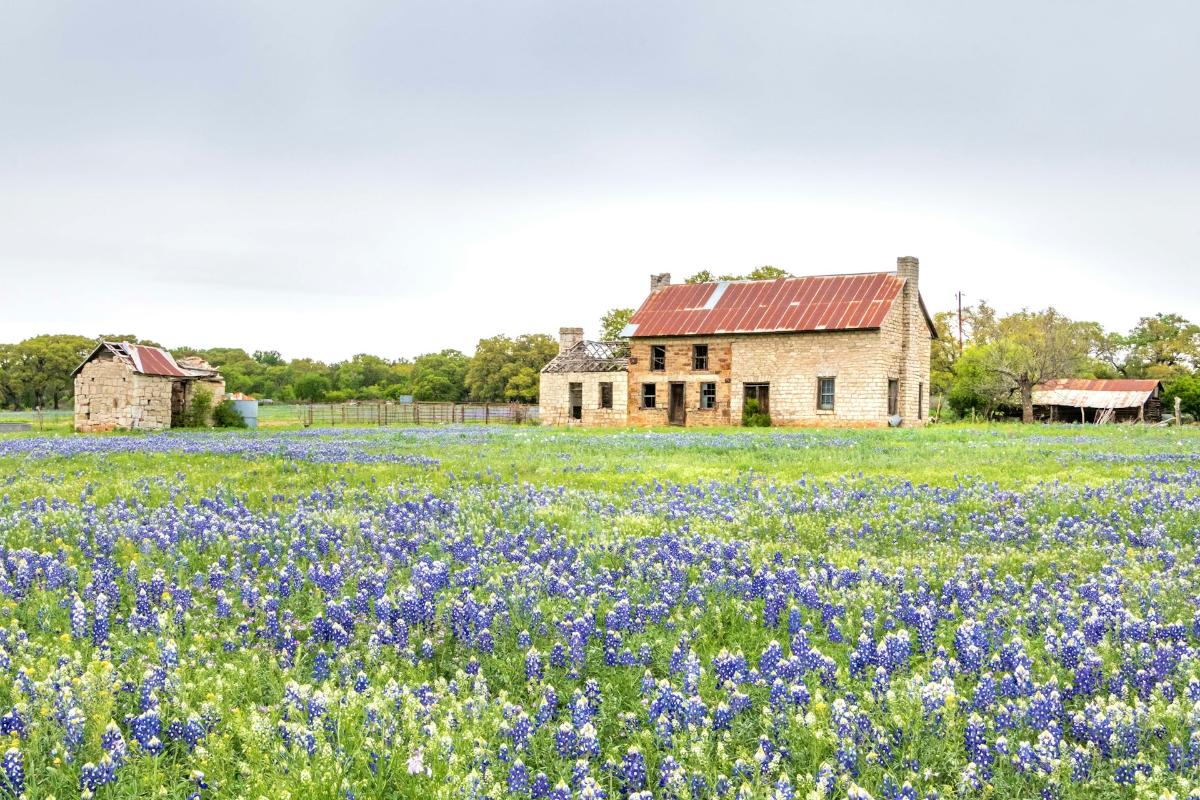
[992,373]
[37,372]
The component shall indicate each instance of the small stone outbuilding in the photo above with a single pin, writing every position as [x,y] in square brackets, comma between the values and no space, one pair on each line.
[123,386]
[586,383]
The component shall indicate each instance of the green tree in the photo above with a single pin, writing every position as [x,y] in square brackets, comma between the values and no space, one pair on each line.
[41,367]
[1162,346]
[1033,346]
[763,273]
[1187,389]
[498,360]
[980,323]
[523,386]
[311,387]
[269,358]
[440,376]
[975,386]
[943,353]
[614,322]
[11,387]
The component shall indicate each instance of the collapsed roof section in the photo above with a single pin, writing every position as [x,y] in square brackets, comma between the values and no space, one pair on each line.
[147,360]
[591,356]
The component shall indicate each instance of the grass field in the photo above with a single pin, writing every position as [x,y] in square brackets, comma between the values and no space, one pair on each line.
[528,612]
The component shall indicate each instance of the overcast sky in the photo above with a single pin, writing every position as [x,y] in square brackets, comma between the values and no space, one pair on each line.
[326,179]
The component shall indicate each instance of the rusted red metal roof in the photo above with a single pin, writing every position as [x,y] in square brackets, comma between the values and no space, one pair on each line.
[153,361]
[810,303]
[1098,385]
[147,360]
[1089,393]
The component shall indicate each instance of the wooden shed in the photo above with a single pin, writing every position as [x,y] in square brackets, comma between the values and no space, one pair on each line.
[1098,401]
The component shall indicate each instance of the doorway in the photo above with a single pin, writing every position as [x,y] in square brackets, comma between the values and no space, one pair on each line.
[676,408]
[178,402]
[575,391]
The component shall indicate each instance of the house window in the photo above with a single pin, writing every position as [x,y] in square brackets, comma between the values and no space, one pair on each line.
[825,394]
[920,401]
[708,395]
[606,394]
[658,357]
[700,356]
[893,397]
[649,395]
[760,393]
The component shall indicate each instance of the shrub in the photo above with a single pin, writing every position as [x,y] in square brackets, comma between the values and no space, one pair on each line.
[753,416]
[1187,389]
[199,409]
[226,415]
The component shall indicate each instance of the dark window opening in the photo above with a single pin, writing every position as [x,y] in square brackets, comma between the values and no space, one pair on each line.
[606,394]
[920,401]
[649,395]
[658,357]
[893,397]
[759,393]
[825,394]
[708,395]
[575,391]
[700,356]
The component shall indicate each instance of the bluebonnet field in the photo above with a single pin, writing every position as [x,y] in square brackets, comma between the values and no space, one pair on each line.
[528,613]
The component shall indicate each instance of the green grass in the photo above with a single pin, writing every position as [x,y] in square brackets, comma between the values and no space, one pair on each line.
[1038,473]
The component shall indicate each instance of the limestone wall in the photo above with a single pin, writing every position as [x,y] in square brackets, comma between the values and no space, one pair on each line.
[554,398]
[109,395]
[860,362]
[792,363]
[678,369]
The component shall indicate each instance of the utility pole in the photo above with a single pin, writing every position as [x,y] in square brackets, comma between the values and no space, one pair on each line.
[960,338]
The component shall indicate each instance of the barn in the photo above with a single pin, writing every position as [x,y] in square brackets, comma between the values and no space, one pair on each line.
[124,386]
[1098,401]
[828,350]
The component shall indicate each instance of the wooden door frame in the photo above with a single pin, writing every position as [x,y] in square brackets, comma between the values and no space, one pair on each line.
[671,416]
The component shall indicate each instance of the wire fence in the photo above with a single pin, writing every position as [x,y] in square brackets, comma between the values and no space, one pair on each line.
[416,413]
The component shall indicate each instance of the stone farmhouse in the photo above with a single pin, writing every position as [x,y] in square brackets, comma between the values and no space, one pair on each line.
[123,386]
[822,350]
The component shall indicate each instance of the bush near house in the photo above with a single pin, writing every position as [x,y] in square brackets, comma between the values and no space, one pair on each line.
[753,416]
[226,415]
[199,409]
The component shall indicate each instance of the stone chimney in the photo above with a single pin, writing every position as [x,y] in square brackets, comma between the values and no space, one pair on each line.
[914,345]
[908,267]
[660,281]
[568,338]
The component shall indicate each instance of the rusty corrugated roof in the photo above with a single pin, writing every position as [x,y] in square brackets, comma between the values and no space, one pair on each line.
[1093,393]
[809,303]
[147,360]
[1099,384]
[153,361]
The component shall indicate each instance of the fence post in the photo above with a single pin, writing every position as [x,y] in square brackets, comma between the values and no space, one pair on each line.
[487,413]
[1178,411]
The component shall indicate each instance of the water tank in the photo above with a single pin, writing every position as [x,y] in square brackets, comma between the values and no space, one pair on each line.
[249,411]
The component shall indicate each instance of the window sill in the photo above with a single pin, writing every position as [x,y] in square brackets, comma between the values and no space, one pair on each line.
[826,411]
